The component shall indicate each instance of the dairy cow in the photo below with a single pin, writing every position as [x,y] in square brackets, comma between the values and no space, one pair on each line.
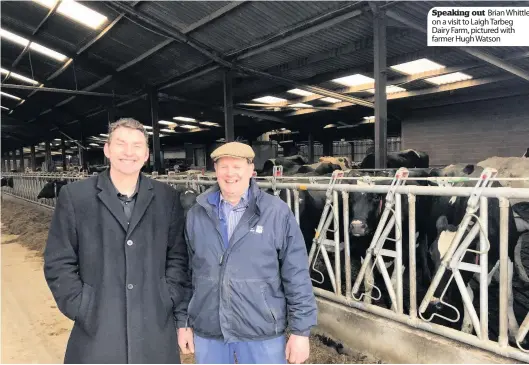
[7,181]
[407,158]
[51,189]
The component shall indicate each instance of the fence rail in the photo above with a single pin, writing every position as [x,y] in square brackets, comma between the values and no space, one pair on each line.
[27,186]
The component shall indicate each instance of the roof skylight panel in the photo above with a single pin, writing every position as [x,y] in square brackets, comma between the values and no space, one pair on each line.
[77,12]
[390,89]
[269,100]
[354,80]
[418,66]
[300,92]
[448,78]
[10,96]
[34,46]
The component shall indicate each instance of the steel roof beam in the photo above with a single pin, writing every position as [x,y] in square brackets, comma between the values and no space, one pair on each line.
[237,111]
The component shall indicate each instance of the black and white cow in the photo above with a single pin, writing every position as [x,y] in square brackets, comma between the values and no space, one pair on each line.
[448,213]
[51,189]
[7,181]
[407,158]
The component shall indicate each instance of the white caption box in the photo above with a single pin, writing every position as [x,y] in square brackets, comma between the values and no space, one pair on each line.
[478,26]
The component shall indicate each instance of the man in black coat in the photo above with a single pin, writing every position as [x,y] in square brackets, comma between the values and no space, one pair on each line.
[116,260]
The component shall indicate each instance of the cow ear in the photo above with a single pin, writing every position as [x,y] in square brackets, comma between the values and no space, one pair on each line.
[441,224]
[469,169]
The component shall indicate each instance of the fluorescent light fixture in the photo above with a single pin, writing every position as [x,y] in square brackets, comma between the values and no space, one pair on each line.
[187,126]
[57,139]
[76,11]
[165,122]
[34,46]
[147,127]
[184,119]
[329,126]
[300,92]
[3,107]
[301,105]
[389,89]
[330,100]
[354,80]
[269,100]
[94,144]
[10,96]
[19,77]
[167,130]
[370,119]
[449,78]
[417,66]
[149,133]
[103,135]
[211,124]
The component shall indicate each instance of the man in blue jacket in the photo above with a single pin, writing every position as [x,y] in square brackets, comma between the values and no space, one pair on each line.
[250,271]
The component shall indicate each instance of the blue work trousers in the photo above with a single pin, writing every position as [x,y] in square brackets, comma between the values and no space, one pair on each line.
[210,351]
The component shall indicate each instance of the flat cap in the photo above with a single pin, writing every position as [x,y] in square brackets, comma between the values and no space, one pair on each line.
[233,149]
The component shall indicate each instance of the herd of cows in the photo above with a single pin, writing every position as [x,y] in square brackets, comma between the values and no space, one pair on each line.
[437,220]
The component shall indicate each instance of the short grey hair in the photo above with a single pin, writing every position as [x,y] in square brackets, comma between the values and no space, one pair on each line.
[127,123]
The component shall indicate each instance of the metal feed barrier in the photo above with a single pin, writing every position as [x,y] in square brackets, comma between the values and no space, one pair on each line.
[27,186]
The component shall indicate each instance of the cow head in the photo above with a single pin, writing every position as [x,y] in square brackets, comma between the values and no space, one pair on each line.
[188,198]
[365,212]
[51,189]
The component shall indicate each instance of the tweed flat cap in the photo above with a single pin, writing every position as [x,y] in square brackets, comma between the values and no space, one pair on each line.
[233,149]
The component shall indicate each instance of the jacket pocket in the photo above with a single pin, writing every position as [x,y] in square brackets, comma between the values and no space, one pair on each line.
[167,302]
[272,317]
[86,315]
[256,308]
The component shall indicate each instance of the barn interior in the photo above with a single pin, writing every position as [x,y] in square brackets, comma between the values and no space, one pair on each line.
[283,77]
[314,78]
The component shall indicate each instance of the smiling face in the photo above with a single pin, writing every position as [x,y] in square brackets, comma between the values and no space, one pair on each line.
[126,150]
[233,175]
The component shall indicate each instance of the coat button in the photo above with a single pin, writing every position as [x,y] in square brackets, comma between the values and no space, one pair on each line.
[130,286]
[130,243]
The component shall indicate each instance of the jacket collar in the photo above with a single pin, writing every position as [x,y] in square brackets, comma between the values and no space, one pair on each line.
[207,198]
[109,198]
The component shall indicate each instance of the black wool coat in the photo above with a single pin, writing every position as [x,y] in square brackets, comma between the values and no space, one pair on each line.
[125,284]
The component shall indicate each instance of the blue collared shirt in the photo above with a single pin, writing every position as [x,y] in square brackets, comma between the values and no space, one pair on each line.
[229,215]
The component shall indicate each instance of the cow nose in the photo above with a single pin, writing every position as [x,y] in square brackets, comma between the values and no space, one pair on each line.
[358,227]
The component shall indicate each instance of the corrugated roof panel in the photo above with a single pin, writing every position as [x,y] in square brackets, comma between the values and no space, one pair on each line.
[84,105]
[197,84]
[124,42]
[68,31]
[258,21]
[181,13]
[33,14]
[172,60]
[111,88]
[67,79]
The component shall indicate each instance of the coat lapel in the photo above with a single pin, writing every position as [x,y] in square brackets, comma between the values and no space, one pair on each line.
[145,195]
[111,202]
